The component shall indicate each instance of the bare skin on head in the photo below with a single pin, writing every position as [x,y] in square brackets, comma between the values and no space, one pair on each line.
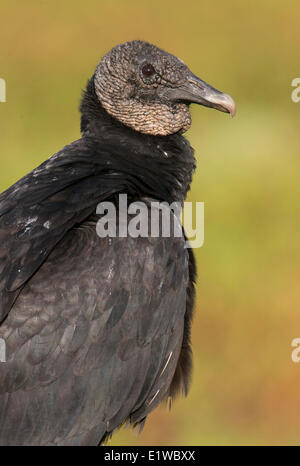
[150,90]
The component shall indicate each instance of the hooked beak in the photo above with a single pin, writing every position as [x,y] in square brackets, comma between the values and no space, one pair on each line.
[199,92]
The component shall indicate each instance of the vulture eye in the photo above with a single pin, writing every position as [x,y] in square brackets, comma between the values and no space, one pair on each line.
[148,70]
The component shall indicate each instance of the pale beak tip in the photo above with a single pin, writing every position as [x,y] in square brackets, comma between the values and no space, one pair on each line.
[233,111]
[230,105]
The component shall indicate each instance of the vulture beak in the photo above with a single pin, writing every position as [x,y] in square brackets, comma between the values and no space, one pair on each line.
[199,92]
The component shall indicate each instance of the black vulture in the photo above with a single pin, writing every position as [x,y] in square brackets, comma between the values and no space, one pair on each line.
[97,329]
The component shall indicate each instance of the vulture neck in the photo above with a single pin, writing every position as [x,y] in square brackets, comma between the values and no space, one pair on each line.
[162,166]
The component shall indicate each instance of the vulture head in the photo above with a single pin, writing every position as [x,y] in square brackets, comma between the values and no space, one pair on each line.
[150,90]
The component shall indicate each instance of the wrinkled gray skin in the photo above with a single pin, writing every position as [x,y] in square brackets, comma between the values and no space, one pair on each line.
[139,101]
[97,331]
[157,104]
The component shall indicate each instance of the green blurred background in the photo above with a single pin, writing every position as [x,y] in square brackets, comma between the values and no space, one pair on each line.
[246,389]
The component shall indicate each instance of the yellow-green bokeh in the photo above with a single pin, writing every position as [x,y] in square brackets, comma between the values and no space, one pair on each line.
[245,387]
